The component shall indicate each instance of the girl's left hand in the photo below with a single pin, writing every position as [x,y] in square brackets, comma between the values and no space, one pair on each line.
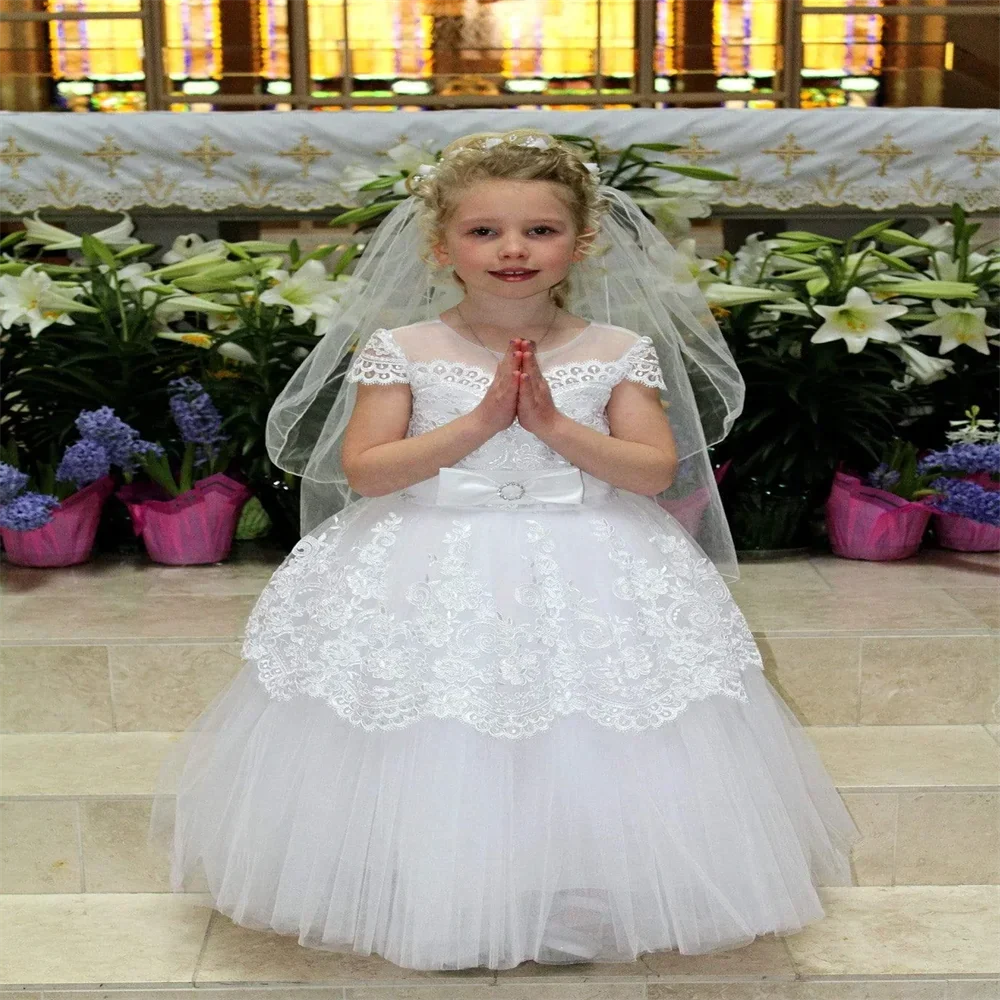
[536,412]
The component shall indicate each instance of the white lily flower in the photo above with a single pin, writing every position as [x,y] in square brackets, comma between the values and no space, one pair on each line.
[678,203]
[683,268]
[749,259]
[308,292]
[944,268]
[236,353]
[195,339]
[32,297]
[325,323]
[924,368]
[857,321]
[53,238]
[350,182]
[408,157]
[958,325]
[133,276]
[192,245]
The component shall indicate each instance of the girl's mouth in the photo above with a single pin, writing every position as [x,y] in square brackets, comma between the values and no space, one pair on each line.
[513,275]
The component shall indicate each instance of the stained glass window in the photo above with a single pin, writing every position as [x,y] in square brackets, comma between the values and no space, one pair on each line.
[96,49]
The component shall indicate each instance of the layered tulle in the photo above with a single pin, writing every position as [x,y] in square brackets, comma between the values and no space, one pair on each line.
[441,847]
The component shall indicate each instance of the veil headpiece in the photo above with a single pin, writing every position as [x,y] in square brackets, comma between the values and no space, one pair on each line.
[632,277]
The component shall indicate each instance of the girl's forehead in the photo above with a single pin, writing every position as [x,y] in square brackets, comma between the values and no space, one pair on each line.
[512,200]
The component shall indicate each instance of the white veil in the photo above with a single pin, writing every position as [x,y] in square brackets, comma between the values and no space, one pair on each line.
[628,281]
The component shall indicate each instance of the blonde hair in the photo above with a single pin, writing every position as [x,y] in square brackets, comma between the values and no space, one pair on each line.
[468,160]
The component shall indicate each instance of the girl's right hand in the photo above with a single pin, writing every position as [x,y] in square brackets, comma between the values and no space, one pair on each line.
[499,406]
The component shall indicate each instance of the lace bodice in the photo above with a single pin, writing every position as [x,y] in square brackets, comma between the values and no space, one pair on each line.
[448,376]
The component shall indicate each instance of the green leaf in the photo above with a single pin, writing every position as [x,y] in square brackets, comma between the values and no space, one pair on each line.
[365,214]
[893,261]
[874,230]
[294,252]
[137,250]
[11,238]
[658,147]
[801,236]
[345,258]
[98,250]
[381,183]
[700,173]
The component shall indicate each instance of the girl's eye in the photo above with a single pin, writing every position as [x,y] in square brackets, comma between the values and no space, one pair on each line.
[486,229]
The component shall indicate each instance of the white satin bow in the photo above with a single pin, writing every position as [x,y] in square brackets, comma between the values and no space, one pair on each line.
[465,487]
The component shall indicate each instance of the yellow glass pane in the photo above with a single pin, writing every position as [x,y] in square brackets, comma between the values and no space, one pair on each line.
[272,17]
[744,37]
[666,36]
[193,38]
[842,43]
[94,6]
[103,49]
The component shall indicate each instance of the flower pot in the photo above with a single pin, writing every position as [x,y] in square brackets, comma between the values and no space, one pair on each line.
[963,534]
[194,528]
[68,538]
[864,522]
[954,531]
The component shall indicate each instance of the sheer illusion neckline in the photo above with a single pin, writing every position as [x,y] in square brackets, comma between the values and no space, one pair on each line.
[500,354]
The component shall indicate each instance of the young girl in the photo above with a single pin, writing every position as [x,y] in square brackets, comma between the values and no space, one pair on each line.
[500,705]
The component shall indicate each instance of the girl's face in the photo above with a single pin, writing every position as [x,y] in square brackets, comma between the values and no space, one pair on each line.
[501,225]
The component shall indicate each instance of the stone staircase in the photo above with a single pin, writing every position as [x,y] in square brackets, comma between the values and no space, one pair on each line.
[893,668]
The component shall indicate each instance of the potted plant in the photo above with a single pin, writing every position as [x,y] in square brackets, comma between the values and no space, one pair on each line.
[966,476]
[823,332]
[55,525]
[883,515]
[184,521]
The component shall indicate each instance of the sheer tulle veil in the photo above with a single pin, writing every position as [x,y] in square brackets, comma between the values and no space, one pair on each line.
[630,279]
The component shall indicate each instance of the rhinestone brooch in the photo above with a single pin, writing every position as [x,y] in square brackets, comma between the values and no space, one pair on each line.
[511,491]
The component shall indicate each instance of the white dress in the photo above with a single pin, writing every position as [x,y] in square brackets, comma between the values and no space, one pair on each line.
[473,735]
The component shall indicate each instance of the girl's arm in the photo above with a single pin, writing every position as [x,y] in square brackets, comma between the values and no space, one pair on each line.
[377,456]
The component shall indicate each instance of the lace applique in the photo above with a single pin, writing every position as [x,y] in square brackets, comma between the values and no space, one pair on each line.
[379,362]
[325,628]
[642,364]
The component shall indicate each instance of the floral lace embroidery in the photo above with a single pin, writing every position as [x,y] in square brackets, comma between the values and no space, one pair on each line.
[322,629]
[379,362]
[333,623]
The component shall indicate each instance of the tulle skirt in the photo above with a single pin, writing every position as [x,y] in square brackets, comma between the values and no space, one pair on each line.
[439,847]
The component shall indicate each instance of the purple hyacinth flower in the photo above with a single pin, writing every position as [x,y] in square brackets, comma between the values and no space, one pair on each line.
[196,417]
[28,511]
[83,463]
[12,481]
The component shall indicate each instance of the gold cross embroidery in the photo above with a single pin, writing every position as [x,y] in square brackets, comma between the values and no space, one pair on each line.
[886,152]
[980,154]
[207,153]
[304,152]
[694,152]
[791,152]
[14,157]
[111,153]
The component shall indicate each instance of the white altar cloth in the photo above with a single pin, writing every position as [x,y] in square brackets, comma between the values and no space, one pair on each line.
[876,158]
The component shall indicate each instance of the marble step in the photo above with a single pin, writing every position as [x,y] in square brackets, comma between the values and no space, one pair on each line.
[874,943]
[75,807]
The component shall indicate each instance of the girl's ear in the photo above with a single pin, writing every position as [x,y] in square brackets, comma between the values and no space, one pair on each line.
[440,254]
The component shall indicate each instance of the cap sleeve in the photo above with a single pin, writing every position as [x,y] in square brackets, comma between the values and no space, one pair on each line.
[642,365]
[380,362]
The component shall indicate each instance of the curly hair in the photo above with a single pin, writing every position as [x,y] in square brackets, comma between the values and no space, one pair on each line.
[469,160]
